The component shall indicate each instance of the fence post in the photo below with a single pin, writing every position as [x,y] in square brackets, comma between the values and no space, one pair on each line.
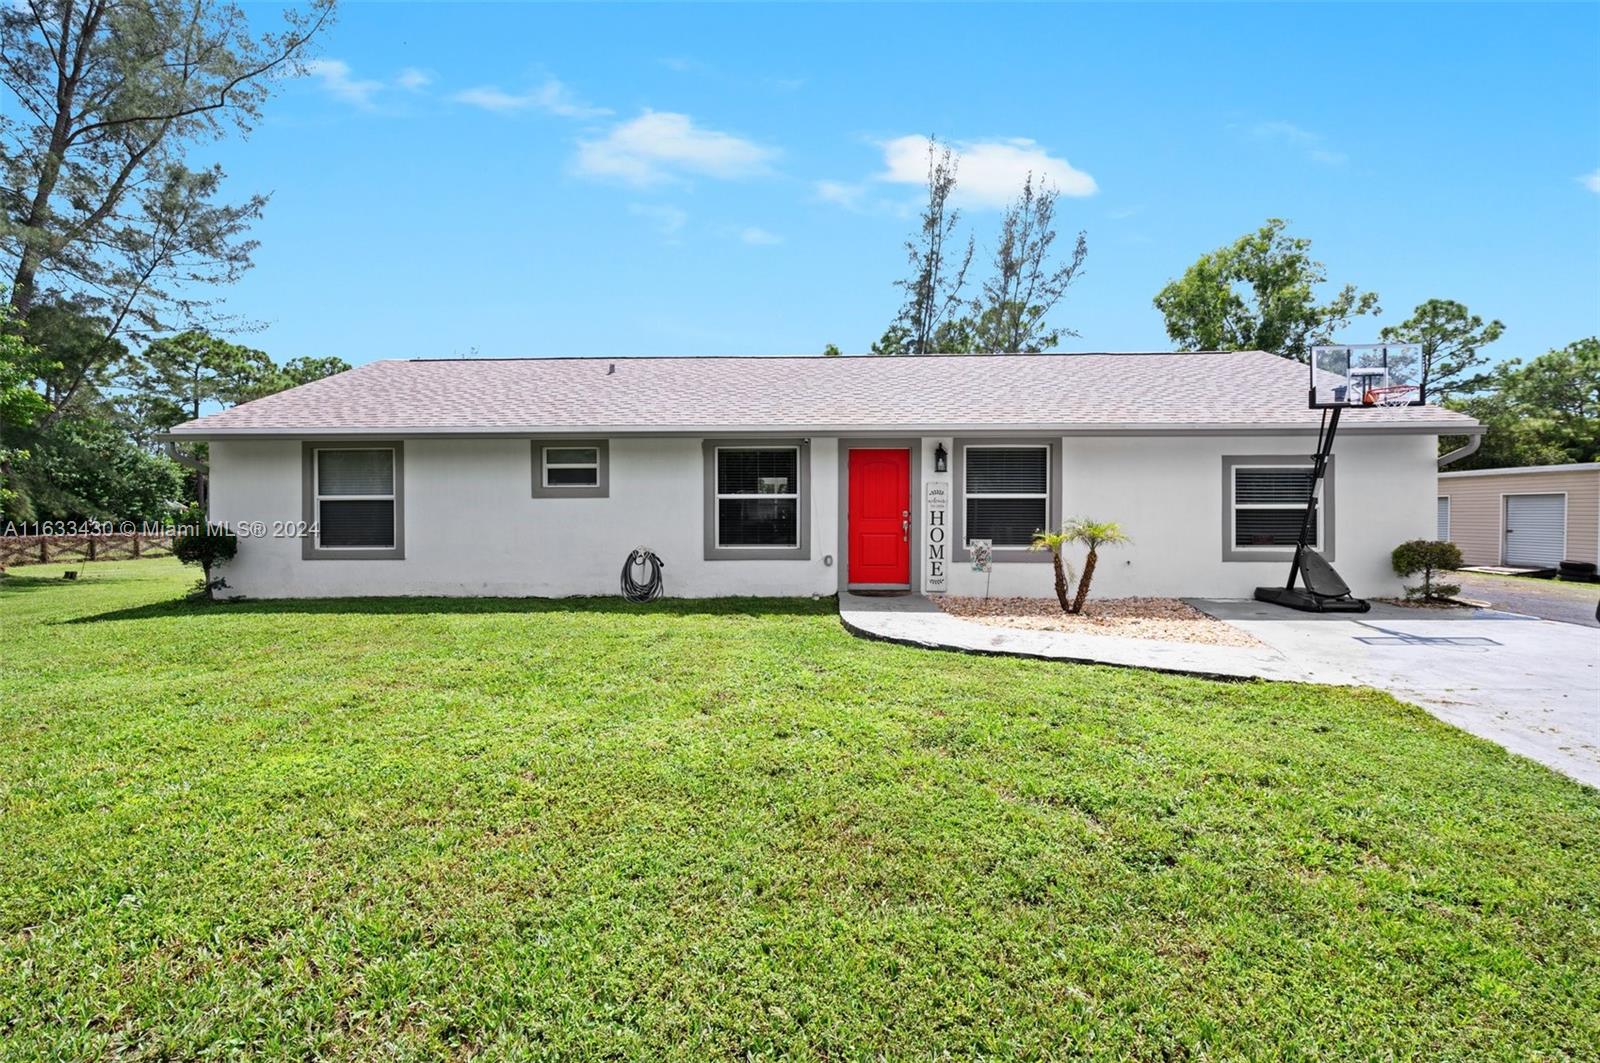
[136,546]
[44,550]
[91,547]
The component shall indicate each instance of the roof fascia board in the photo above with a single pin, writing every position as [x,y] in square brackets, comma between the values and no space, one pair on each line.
[668,431]
[1580,467]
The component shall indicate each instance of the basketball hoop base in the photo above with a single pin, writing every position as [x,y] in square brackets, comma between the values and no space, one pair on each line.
[1307,602]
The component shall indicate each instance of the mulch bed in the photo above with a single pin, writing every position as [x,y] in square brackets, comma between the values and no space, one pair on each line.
[1162,619]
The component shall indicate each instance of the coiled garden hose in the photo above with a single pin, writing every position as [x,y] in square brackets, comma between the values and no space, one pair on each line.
[647,590]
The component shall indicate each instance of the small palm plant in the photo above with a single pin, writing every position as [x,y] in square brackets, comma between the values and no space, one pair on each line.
[1094,534]
[1053,542]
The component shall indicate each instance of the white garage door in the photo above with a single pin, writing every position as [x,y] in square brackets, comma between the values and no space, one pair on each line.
[1443,534]
[1536,529]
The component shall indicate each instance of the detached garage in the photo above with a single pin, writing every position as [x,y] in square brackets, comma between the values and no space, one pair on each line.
[1524,518]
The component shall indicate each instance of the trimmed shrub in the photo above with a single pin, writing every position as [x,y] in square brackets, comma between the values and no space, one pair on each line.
[206,544]
[1427,556]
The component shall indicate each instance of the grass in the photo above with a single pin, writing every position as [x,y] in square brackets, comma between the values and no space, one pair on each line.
[428,828]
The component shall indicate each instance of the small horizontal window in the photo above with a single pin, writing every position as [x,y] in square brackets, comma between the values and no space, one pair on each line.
[570,469]
[571,466]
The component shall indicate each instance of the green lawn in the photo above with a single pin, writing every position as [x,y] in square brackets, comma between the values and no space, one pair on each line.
[425,828]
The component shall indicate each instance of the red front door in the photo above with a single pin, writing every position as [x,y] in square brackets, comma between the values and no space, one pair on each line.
[880,516]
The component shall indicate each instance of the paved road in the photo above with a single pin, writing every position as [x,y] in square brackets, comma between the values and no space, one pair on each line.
[1548,599]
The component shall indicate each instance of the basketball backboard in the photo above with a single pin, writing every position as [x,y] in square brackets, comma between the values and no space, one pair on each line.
[1368,374]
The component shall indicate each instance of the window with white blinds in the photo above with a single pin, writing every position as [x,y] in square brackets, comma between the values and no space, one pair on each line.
[1007,493]
[758,497]
[1269,505]
[354,491]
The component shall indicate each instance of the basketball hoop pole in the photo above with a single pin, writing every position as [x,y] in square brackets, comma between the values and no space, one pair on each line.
[1319,466]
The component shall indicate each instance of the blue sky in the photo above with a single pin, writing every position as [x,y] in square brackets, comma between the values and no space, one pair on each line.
[530,180]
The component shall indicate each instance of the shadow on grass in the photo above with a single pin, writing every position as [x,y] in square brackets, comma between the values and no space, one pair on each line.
[177,607]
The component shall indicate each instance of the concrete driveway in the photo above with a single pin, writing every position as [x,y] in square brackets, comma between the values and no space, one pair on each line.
[1530,685]
[1548,599]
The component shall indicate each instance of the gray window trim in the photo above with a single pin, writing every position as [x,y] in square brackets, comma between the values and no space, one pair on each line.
[602,485]
[958,481]
[1280,554]
[802,552]
[309,548]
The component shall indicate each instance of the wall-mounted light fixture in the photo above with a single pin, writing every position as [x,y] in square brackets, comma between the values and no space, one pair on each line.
[941,459]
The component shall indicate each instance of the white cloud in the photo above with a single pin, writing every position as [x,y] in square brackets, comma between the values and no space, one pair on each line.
[682,65]
[1313,144]
[1591,181]
[667,220]
[660,144]
[334,74]
[990,172]
[552,97]
[413,79]
[759,237]
[840,193]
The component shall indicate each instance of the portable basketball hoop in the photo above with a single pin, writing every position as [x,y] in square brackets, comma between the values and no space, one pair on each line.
[1356,377]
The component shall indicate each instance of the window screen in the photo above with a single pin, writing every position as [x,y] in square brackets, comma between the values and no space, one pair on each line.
[1007,470]
[357,523]
[758,500]
[571,466]
[1269,506]
[1007,493]
[355,472]
[355,498]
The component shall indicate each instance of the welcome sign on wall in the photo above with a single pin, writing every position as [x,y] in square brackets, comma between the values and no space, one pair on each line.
[934,572]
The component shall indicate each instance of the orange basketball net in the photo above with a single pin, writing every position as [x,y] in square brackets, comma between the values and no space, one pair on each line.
[1392,395]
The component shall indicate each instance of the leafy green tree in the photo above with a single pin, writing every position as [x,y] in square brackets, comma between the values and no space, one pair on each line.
[1542,412]
[832,351]
[21,405]
[102,210]
[938,264]
[1560,391]
[208,545]
[86,467]
[1451,339]
[1027,284]
[180,374]
[292,373]
[1509,440]
[1428,557]
[1258,293]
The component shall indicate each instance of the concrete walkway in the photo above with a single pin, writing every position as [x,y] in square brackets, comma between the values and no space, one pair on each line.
[1530,685]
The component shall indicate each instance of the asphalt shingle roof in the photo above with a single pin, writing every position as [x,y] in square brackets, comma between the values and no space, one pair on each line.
[1245,389]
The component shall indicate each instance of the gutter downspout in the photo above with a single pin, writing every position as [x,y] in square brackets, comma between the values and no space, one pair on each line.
[1473,443]
[201,469]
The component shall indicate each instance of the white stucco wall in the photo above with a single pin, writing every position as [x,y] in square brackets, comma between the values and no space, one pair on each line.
[473,529]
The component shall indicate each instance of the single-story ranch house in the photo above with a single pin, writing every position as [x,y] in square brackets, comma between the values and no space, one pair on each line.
[802,476]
